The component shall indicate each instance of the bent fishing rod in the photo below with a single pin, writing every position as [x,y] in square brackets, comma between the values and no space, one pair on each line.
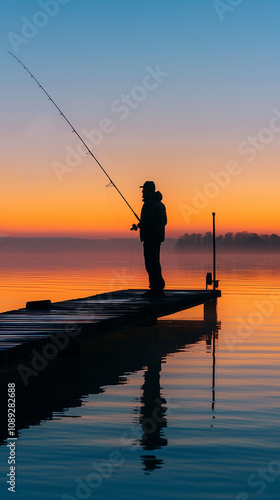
[77,134]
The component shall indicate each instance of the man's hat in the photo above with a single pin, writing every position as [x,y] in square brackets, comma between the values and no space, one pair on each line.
[149,186]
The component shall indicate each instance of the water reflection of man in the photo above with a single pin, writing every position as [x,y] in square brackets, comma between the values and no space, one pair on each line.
[152,233]
[152,418]
[152,413]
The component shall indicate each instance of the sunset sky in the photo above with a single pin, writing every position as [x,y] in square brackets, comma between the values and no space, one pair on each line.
[185,93]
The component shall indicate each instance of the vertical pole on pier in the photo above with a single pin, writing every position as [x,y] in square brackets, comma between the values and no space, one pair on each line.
[214,251]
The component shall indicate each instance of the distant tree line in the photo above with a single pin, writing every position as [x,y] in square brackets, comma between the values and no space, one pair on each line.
[229,242]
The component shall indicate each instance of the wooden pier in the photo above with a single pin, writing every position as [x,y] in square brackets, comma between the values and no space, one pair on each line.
[61,328]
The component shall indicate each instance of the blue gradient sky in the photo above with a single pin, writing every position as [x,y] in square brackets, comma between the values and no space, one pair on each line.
[222,86]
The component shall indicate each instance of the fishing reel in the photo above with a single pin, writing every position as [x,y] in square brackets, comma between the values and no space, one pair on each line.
[134,227]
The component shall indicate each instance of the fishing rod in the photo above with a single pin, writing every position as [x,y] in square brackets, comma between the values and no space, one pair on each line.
[77,134]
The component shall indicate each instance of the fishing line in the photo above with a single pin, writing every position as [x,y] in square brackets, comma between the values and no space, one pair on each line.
[113,210]
[77,134]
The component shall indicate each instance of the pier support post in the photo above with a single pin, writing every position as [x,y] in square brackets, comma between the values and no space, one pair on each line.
[210,311]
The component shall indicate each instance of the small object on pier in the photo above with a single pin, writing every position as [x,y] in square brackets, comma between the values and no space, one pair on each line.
[39,305]
[210,281]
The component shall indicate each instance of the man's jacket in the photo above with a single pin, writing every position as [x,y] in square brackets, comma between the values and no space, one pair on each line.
[153,219]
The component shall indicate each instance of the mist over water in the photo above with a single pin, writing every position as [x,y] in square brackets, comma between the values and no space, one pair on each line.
[70,268]
[216,395]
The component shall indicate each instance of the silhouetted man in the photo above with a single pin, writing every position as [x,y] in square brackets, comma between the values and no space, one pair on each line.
[152,233]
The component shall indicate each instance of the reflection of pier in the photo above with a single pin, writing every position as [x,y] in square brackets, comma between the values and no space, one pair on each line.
[66,381]
[153,411]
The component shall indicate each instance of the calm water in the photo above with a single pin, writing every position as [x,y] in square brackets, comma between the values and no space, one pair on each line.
[172,411]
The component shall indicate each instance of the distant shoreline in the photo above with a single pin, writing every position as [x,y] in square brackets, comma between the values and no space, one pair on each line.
[240,242]
[68,244]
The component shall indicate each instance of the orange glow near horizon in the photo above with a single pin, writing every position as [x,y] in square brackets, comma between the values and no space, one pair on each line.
[34,202]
